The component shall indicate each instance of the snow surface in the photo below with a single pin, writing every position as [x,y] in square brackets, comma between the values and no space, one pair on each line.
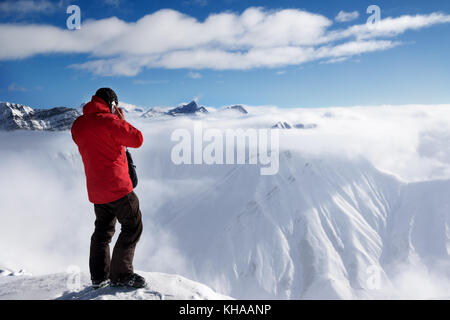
[358,210]
[68,286]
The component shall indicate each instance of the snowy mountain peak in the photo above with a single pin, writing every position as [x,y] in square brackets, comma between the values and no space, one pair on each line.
[281,125]
[15,116]
[285,125]
[156,111]
[131,109]
[8,109]
[237,107]
[189,108]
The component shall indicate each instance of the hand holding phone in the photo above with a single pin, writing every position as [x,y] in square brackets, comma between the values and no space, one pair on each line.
[118,111]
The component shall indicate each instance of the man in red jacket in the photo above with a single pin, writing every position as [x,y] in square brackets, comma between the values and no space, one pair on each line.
[101,135]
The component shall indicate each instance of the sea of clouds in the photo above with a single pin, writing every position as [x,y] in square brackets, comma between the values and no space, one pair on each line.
[46,219]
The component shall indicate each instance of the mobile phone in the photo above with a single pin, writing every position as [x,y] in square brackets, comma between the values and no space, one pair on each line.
[114,106]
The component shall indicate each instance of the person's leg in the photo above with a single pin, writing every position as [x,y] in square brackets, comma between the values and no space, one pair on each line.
[129,215]
[99,259]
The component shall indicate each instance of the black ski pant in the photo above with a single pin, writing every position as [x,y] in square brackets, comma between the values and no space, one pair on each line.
[120,266]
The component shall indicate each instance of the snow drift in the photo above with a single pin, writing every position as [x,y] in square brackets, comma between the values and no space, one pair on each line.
[68,286]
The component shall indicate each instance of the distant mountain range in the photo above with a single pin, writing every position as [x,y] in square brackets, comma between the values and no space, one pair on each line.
[15,116]
[191,108]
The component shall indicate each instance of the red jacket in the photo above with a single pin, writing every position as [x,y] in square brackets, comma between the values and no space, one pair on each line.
[101,138]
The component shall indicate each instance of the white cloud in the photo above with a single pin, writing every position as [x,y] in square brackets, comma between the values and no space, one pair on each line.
[335,60]
[346,16]
[223,60]
[253,39]
[355,47]
[390,27]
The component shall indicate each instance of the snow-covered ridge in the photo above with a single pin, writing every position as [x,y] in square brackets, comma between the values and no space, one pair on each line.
[192,108]
[320,229]
[131,109]
[286,125]
[68,286]
[189,108]
[236,108]
[17,116]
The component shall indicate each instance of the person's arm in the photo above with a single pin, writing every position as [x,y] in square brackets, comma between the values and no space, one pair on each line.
[124,133]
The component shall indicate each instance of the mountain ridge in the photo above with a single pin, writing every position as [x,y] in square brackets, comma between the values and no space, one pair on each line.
[316,230]
[15,116]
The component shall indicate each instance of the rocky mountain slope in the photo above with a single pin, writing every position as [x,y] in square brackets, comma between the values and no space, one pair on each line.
[17,116]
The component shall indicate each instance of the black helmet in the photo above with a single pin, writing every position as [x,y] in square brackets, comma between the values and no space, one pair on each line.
[108,95]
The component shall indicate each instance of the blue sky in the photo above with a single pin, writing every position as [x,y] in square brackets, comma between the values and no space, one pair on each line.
[173,56]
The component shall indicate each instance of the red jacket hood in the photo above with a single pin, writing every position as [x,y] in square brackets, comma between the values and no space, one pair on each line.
[96,105]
